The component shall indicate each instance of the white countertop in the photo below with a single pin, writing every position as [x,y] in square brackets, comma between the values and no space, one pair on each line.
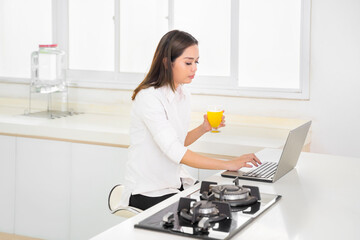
[316,203]
[103,129]
[242,133]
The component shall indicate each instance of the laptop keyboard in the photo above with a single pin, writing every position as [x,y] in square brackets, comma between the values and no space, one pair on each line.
[266,170]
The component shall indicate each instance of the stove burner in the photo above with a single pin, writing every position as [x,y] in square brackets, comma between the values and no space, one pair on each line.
[237,196]
[203,213]
[205,209]
[230,192]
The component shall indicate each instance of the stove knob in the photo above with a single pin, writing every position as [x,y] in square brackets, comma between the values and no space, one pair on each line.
[168,220]
[204,223]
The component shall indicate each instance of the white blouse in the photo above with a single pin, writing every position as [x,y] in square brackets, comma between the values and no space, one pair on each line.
[159,125]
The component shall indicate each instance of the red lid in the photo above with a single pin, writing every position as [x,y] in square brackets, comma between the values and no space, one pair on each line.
[47,45]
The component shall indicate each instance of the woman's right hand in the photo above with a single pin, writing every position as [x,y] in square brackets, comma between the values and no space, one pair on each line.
[246,160]
[206,125]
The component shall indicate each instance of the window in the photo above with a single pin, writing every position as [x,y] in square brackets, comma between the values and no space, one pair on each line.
[210,25]
[18,40]
[255,48]
[142,24]
[269,44]
[91,35]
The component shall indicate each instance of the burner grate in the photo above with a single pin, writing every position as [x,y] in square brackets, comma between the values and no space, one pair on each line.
[237,196]
[208,218]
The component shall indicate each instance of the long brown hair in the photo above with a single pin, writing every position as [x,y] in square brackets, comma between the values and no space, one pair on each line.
[171,46]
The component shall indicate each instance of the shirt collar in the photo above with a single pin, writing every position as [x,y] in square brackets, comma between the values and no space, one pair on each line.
[170,95]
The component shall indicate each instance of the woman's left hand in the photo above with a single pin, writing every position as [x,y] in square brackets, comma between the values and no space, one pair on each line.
[206,125]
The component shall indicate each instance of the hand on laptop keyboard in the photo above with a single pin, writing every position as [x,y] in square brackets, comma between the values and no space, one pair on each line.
[246,160]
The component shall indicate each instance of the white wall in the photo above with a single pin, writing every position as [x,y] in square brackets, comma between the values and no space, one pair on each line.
[334,104]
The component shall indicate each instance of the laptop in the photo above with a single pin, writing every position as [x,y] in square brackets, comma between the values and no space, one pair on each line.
[275,162]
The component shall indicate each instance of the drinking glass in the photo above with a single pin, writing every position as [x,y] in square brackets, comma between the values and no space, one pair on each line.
[214,115]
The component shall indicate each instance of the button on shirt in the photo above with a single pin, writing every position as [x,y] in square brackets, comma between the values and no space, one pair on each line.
[159,125]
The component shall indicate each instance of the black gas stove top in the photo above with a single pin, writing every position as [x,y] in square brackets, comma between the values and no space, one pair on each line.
[214,212]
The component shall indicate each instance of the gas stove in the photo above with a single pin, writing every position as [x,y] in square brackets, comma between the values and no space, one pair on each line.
[214,212]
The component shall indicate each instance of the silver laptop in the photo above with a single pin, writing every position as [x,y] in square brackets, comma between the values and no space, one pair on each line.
[275,162]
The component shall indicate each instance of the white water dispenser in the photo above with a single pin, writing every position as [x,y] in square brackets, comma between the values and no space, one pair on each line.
[48,81]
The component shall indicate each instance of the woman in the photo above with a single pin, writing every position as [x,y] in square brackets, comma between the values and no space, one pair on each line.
[159,126]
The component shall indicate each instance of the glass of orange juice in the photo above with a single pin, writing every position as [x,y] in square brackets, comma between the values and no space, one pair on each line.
[214,115]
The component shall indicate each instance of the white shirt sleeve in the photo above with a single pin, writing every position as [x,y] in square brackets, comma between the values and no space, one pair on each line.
[152,111]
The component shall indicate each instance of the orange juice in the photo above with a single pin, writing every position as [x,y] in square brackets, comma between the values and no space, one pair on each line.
[215,119]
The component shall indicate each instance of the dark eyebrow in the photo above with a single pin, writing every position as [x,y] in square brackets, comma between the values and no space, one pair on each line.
[191,58]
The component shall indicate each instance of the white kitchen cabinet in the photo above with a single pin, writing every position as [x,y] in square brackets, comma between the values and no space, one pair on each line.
[95,170]
[61,187]
[42,203]
[7,183]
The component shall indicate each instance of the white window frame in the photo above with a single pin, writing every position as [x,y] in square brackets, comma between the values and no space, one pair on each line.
[209,85]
